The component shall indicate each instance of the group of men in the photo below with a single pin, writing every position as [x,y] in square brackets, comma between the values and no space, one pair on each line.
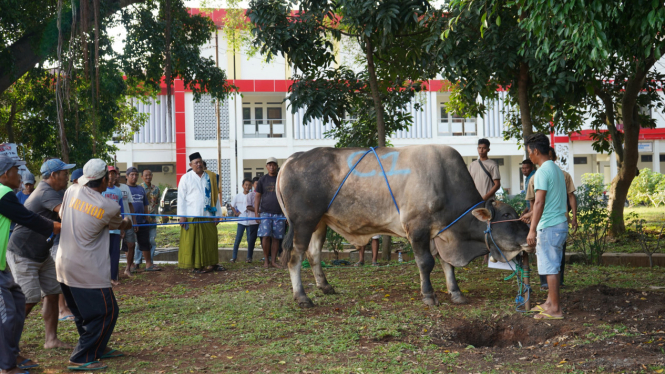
[551,207]
[199,211]
[45,258]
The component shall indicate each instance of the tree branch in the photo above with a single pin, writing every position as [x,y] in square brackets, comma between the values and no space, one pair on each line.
[24,53]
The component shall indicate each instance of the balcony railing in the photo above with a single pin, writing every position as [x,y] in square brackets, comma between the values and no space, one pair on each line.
[264,128]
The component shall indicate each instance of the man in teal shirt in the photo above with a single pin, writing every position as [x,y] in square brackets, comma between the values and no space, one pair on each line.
[12,305]
[549,225]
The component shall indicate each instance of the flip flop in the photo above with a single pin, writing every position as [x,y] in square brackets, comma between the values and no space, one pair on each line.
[153,268]
[110,354]
[23,365]
[537,309]
[85,367]
[358,264]
[67,318]
[547,316]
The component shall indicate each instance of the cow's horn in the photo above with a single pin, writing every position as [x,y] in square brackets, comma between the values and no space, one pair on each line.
[489,205]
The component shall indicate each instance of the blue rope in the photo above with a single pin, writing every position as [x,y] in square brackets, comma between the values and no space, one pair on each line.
[347,176]
[172,223]
[386,178]
[219,217]
[458,218]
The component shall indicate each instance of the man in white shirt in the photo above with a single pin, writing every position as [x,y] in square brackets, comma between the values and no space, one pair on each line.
[198,197]
[240,205]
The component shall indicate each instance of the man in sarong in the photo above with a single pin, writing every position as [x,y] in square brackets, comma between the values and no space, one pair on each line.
[198,196]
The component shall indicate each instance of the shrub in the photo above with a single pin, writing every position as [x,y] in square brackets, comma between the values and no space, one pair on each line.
[518,202]
[648,188]
[592,218]
[334,242]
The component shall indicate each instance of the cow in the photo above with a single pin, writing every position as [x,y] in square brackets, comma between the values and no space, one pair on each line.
[431,188]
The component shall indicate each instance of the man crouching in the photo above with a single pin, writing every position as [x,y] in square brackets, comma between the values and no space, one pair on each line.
[84,266]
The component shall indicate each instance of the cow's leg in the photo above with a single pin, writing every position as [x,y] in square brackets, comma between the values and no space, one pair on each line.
[420,242]
[454,291]
[315,247]
[300,242]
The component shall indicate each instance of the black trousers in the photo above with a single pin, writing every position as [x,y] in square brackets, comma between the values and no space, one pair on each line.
[12,317]
[96,312]
[543,278]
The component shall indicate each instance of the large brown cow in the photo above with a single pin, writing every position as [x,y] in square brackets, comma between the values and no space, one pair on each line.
[432,188]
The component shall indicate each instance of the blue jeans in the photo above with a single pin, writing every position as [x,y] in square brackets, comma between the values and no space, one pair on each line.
[549,248]
[138,255]
[252,230]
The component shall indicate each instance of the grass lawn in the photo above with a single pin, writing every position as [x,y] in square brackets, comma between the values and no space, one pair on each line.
[244,321]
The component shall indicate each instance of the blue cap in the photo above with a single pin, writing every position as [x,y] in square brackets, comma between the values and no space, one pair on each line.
[53,165]
[76,174]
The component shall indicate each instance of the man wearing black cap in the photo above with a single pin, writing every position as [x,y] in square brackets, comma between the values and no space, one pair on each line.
[272,228]
[198,196]
[29,254]
[12,299]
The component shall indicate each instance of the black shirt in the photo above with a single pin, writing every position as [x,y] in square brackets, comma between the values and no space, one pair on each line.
[266,187]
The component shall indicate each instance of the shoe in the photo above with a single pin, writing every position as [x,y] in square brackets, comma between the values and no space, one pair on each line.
[232,260]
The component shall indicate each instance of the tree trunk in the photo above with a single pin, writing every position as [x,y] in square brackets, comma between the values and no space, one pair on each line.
[631,127]
[380,125]
[523,99]
[374,87]
[610,122]
[9,126]
[385,247]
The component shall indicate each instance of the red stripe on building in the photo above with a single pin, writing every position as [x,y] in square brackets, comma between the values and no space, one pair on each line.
[180,137]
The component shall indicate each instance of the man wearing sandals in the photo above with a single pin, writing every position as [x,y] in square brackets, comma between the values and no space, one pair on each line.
[199,210]
[549,225]
[83,264]
[12,299]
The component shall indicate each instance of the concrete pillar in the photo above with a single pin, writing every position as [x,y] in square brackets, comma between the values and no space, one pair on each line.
[434,114]
[288,125]
[656,156]
[613,166]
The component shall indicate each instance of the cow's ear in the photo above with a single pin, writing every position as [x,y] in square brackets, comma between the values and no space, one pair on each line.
[482,214]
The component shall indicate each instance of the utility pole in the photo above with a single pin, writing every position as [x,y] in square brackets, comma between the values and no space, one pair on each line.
[219,128]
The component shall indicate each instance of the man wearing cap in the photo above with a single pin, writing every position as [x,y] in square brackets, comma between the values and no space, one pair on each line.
[271,230]
[29,254]
[198,197]
[12,299]
[140,199]
[28,187]
[83,263]
[76,174]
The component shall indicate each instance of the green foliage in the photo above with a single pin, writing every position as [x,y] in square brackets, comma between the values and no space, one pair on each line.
[649,242]
[518,202]
[394,39]
[592,218]
[334,242]
[648,188]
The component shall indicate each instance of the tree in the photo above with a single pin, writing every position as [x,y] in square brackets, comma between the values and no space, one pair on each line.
[616,43]
[486,50]
[395,40]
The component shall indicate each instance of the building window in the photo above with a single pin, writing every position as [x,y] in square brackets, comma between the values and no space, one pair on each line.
[455,125]
[662,157]
[263,120]
[579,160]
[646,158]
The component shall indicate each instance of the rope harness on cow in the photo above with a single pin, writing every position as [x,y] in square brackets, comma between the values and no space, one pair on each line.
[522,274]
[385,177]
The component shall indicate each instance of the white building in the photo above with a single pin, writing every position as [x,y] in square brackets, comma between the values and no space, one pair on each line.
[259,124]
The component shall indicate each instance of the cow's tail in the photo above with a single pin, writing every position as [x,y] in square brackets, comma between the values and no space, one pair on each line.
[287,246]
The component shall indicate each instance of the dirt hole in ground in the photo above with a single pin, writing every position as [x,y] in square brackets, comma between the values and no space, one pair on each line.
[503,333]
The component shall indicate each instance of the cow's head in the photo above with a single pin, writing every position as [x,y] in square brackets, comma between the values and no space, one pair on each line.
[509,236]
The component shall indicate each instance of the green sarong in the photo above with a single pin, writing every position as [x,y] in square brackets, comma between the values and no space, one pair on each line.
[198,245]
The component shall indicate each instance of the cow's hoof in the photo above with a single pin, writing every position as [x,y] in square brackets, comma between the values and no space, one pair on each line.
[306,304]
[431,301]
[458,298]
[327,290]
